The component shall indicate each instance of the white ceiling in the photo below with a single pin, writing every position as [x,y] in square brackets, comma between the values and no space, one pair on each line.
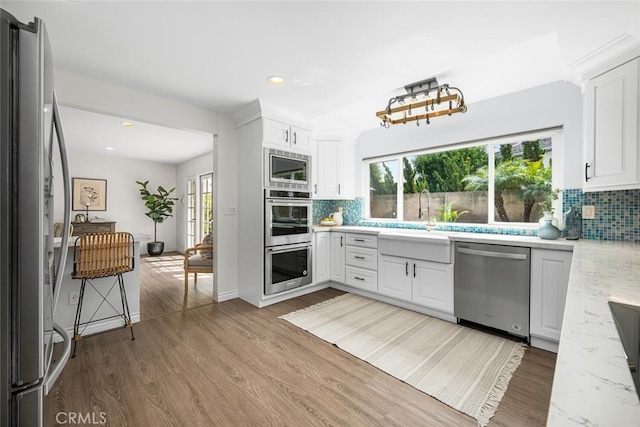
[341,60]
[90,132]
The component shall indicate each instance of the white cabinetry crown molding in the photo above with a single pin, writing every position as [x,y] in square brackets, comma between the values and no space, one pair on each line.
[260,109]
[619,50]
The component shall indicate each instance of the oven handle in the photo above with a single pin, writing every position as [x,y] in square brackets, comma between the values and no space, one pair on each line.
[288,248]
[285,201]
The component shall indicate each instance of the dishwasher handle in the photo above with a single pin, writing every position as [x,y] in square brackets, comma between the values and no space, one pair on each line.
[491,254]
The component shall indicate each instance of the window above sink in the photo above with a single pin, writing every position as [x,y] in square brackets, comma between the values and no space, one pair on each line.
[494,182]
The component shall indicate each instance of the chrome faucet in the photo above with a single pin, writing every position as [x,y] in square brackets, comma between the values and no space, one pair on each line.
[420,214]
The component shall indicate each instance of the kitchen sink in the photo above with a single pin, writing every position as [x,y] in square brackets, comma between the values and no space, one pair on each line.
[415,244]
[415,234]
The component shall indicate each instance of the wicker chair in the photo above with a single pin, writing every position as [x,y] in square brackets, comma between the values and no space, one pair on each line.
[97,256]
[194,263]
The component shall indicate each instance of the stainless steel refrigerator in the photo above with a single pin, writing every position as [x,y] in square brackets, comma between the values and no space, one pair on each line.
[30,274]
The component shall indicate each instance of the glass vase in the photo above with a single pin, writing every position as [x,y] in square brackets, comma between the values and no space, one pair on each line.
[572,224]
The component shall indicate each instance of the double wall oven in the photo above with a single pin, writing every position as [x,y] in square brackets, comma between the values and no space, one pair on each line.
[288,221]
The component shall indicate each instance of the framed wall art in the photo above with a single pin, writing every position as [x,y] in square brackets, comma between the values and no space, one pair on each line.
[89,194]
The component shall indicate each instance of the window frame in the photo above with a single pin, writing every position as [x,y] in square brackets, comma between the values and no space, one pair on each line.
[557,149]
[198,229]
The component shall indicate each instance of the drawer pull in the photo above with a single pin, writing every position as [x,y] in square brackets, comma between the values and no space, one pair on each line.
[358,257]
[358,278]
[359,240]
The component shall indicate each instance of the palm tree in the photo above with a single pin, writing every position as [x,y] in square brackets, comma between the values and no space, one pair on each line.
[508,175]
[536,183]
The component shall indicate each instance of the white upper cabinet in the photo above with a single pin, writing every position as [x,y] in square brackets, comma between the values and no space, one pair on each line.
[283,135]
[334,170]
[611,115]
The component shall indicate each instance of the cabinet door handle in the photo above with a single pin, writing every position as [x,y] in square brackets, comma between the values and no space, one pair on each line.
[338,188]
[406,268]
[315,188]
[295,137]
[340,241]
[414,269]
[286,135]
[586,169]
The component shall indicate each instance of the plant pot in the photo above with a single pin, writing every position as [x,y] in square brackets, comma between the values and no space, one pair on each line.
[155,248]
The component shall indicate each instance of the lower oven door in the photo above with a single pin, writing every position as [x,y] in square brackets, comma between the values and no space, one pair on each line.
[287,267]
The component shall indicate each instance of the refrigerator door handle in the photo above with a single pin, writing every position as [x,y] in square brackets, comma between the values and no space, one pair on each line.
[54,373]
[64,162]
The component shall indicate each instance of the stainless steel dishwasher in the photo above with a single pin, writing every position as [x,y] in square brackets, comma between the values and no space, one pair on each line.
[491,286]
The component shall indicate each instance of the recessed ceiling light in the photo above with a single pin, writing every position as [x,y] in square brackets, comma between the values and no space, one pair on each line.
[127,124]
[109,148]
[275,80]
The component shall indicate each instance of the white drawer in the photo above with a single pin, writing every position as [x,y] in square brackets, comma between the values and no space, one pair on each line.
[361,278]
[362,240]
[362,257]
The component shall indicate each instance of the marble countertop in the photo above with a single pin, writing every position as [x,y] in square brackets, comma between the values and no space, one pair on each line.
[592,384]
[496,239]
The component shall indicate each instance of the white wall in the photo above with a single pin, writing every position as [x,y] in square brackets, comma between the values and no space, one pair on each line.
[226,178]
[123,198]
[93,95]
[547,106]
[197,166]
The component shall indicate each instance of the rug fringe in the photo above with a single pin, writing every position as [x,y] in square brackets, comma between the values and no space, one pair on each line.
[488,409]
[320,304]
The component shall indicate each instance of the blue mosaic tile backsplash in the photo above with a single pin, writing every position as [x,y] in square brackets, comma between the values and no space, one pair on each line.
[617,213]
[352,210]
[617,216]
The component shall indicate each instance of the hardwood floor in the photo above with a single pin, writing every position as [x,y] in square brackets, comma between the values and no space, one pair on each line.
[225,364]
[162,286]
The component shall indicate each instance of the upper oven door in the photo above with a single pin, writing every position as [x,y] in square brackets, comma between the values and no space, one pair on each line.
[287,170]
[287,222]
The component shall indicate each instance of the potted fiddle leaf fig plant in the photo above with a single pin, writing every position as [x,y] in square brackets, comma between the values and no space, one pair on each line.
[160,207]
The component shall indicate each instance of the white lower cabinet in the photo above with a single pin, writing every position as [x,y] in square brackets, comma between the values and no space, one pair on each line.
[362,261]
[362,278]
[338,251]
[433,285]
[429,284]
[395,280]
[321,257]
[549,281]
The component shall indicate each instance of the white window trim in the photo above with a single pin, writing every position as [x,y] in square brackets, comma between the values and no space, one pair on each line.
[557,147]
[198,207]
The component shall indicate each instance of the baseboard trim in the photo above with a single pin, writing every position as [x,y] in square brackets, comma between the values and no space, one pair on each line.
[99,326]
[544,344]
[225,296]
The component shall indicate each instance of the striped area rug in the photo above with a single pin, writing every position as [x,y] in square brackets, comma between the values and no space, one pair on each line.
[467,369]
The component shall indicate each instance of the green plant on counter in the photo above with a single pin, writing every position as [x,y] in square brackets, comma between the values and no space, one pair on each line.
[448,214]
[547,203]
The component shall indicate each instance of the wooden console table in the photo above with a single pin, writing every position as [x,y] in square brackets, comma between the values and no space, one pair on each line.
[80,228]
